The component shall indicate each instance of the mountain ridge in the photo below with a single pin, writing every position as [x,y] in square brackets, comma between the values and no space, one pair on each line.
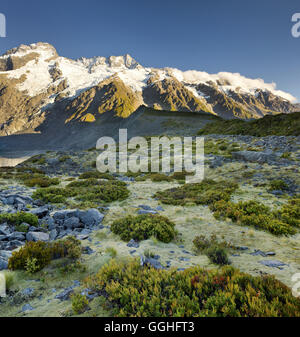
[33,78]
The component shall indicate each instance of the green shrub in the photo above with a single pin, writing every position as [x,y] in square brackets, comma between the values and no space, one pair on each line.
[9,280]
[63,159]
[290,213]
[39,251]
[52,195]
[21,228]
[216,251]
[278,185]
[34,256]
[223,147]
[180,175]
[136,291]
[159,177]
[16,219]
[218,255]
[39,160]
[32,266]
[86,190]
[41,182]
[204,193]
[286,155]
[142,227]
[280,125]
[252,213]
[96,175]
[111,251]
[79,303]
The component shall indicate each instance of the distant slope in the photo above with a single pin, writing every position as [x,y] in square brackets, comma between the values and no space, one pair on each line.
[280,125]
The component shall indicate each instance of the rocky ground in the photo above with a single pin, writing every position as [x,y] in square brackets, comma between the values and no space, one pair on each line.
[253,164]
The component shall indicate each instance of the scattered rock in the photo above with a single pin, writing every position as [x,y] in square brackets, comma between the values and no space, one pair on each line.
[27,291]
[3,264]
[142,212]
[53,234]
[65,295]
[41,212]
[91,218]
[5,254]
[16,236]
[82,237]
[88,250]
[37,236]
[273,263]
[89,294]
[256,157]
[133,244]
[145,207]
[150,262]
[4,230]
[27,307]
[242,248]
[72,222]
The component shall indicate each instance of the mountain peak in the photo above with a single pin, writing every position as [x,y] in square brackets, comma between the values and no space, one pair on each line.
[39,47]
[125,61]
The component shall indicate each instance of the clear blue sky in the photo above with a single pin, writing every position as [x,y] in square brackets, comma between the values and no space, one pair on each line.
[250,37]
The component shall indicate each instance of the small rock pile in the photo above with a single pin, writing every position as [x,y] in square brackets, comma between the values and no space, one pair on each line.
[51,227]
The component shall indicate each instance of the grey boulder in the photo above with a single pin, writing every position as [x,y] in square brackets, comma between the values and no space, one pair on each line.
[272,263]
[16,236]
[41,212]
[3,264]
[91,217]
[37,236]
[65,295]
[53,234]
[72,222]
[4,230]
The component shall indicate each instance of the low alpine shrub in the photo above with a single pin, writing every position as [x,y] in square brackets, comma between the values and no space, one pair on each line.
[135,291]
[204,193]
[142,227]
[16,219]
[34,256]
[253,213]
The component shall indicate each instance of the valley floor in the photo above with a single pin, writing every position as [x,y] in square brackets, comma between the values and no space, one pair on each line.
[34,295]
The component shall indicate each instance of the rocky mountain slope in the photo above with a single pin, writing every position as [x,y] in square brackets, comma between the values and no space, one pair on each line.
[37,84]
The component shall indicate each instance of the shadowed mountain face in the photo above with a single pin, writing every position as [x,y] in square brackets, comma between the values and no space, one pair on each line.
[43,92]
[76,135]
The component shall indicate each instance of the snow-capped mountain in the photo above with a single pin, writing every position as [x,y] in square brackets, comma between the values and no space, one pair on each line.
[35,81]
